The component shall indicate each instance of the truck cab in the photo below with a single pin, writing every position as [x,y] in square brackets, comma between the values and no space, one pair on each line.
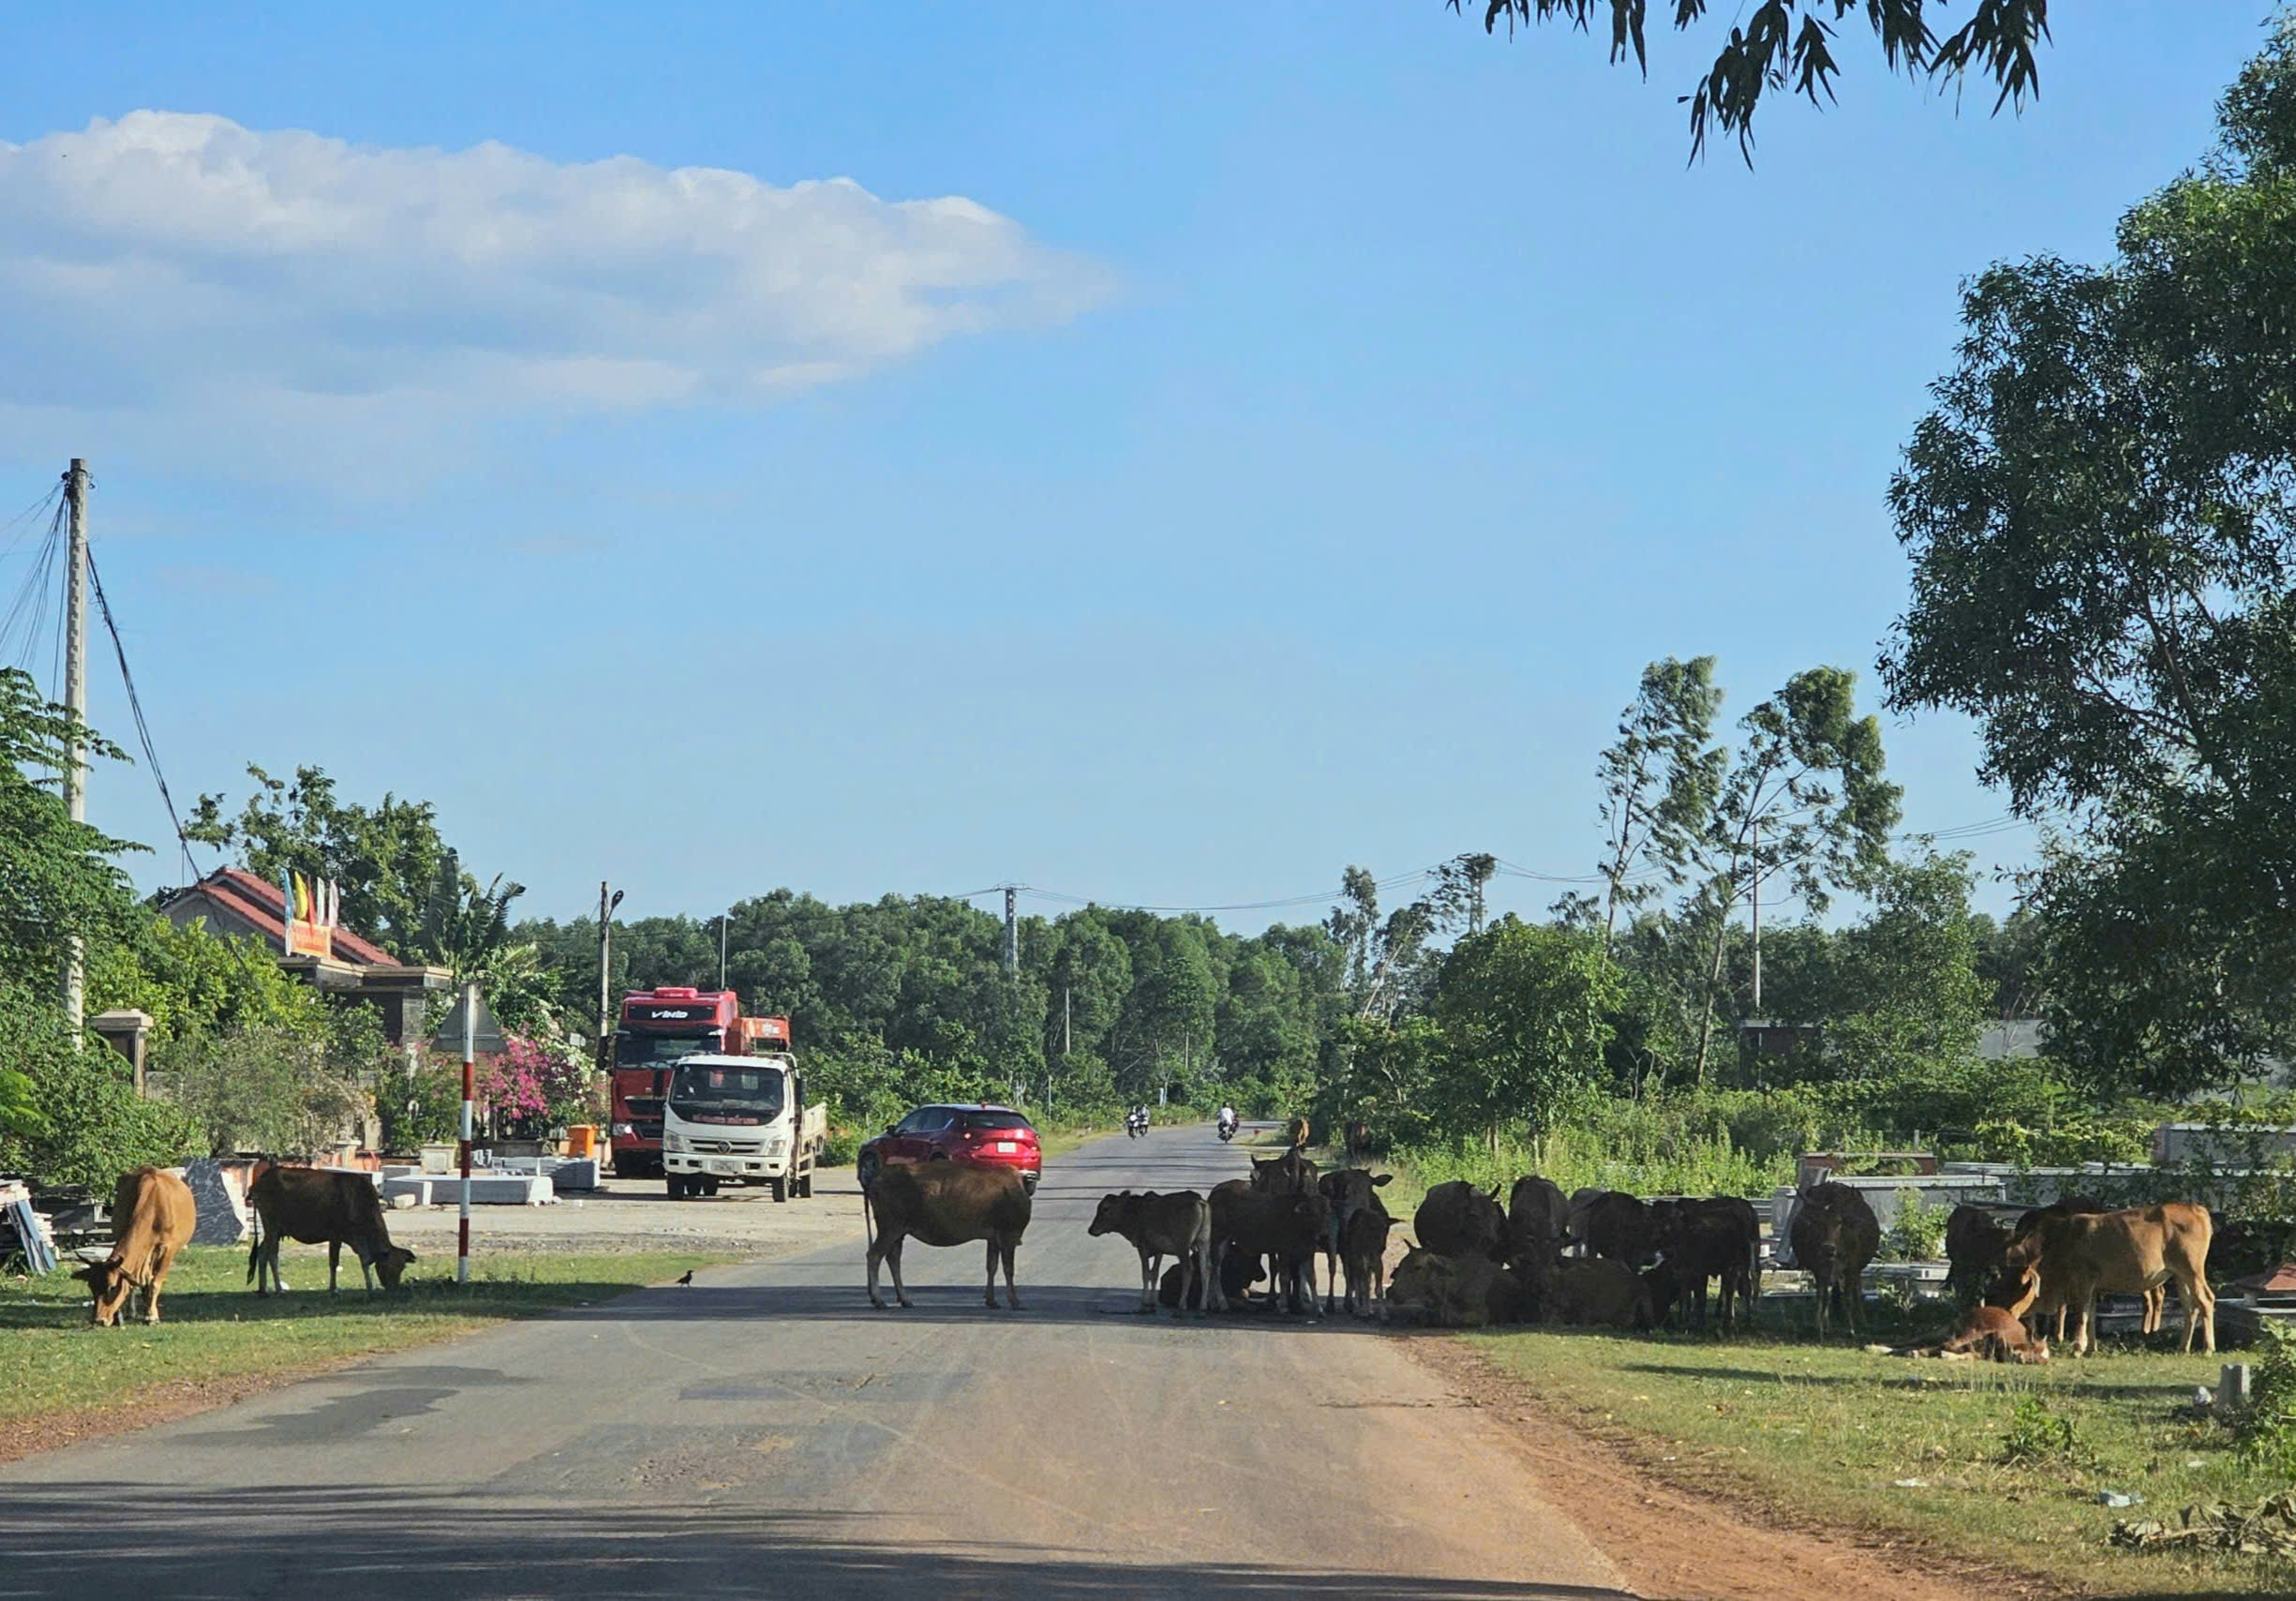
[729,1119]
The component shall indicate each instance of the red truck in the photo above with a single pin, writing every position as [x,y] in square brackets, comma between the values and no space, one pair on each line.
[658,1026]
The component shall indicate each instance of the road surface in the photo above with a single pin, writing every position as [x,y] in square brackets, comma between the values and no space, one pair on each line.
[764,1432]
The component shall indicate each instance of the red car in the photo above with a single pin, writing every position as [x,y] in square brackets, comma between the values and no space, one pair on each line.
[992,1136]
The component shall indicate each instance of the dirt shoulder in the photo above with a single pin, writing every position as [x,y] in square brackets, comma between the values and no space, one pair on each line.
[1672,1541]
[637,1215]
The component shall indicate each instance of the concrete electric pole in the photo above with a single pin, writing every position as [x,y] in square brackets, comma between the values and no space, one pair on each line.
[76,701]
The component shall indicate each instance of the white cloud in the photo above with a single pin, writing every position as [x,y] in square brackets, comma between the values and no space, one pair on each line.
[285,285]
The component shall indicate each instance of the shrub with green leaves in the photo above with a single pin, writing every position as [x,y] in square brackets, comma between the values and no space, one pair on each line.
[2268,1431]
[86,1124]
[1917,1232]
[2038,1437]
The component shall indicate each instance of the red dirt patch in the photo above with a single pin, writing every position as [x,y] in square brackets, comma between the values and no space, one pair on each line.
[1716,1543]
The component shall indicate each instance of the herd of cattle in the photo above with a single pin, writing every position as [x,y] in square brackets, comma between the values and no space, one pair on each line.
[1594,1258]
[152,1215]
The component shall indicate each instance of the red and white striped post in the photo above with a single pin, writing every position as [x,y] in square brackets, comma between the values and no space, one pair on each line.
[469,1095]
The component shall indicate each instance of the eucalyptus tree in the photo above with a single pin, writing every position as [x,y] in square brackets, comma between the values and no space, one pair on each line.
[1658,783]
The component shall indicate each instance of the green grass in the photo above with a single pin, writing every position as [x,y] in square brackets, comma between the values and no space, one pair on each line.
[1828,1431]
[215,1329]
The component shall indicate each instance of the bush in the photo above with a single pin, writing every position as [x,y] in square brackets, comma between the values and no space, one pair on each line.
[260,1087]
[79,1120]
[1917,1234]
[2037,1437]
[421,1108]
[2268,1432]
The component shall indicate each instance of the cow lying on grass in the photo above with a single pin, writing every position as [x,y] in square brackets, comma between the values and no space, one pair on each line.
[1455,1292]
[152,1219]
[944,1203]
[1984,1334]
[1176,1224]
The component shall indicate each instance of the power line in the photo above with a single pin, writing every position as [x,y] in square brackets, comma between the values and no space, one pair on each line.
[135,705]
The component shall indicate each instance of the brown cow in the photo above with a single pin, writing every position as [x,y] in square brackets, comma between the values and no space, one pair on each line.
[321,1206]
[944,1203]
[1296,1136]
[152,1219]
[1363,1250]
[2074,1259]
[1178,1224]
[1466,1291]
[1355,1139]
[1285,1229]
[1346,1191]
[1580,1290]
[1834,1234]
[2008,1289]
[1458,1219]
[1985,1332]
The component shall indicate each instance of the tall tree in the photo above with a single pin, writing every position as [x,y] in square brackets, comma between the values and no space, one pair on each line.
[1803,802]
[1525,1015]
[1792,41]
[56,876]
[2098,513]
[1658,783]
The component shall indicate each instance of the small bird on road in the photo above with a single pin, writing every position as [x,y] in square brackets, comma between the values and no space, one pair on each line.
[687,1277]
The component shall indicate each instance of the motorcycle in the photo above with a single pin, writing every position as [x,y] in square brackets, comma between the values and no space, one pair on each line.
[1228,1133]
[1135,1124]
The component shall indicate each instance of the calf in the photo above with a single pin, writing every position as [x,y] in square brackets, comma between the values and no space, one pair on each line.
[1363,1250]
[944,1203]
[1285,1229]
[1177,1225]
[1346,1191]
[322,1206]
[2074,1259]
[152,1219]
[1988,1333]
[1834,1234]
[1974,1244]
[1458,1219]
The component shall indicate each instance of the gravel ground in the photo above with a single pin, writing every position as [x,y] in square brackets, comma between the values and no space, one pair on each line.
[633,1214]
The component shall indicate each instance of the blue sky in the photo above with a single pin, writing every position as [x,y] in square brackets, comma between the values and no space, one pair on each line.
[1289,458]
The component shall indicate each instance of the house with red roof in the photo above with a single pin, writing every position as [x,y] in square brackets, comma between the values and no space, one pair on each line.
[313,946]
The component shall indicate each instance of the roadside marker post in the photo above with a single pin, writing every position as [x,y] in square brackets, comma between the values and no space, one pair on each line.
[469,1094]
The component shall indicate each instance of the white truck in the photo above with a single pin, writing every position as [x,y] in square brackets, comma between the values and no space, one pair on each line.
[740,1120]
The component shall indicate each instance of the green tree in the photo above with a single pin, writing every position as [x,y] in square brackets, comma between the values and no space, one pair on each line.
[56,876]
[1780,42]
[1658,783]
[1802,803]
[1523,1013]
[2098,513]
[85,1124]
[1914,1003]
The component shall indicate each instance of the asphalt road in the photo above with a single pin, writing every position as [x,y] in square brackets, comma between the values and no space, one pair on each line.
[764,1432]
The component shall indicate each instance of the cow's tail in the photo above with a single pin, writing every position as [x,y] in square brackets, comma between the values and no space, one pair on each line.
[869,1220]
[255,1242]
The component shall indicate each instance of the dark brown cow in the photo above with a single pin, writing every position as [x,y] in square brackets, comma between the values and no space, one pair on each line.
[1287,1230]
[1538,1219]
[1355,1141]
[322,1206]
[1291,1173]
[152,1219]
[1834,1234]
[1592,1291]
[1458,1219]
[944,1203]
[1717,1238]
[1622,1228]
[2074,1259]
[1178,1224]
[1974,1244]
[1346,1191]
[1461,1292]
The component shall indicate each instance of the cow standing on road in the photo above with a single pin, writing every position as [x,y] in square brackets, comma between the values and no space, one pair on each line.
[944,1203]
[322,1206]
[1175,1224]
[152,1219]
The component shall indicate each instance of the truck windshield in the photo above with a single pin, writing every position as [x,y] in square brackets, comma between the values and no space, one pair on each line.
[632,1049]
[713,1088]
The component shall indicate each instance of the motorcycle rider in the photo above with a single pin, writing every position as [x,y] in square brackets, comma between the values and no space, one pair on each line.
[1228,1121]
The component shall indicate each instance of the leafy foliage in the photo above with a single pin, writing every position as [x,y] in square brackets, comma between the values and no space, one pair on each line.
[2039,1437]
[55,876]
[259,1086]
[2268,1431]
[88,1126]
[1522,1011]
[1792,41]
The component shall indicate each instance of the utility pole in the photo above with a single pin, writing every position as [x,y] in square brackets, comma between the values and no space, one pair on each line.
[1064,1022]
[1758,908]
[605,955]
[469,1096]
[1013,934]
[76,702]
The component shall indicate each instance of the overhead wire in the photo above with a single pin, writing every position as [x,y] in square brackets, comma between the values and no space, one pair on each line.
[135,706]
